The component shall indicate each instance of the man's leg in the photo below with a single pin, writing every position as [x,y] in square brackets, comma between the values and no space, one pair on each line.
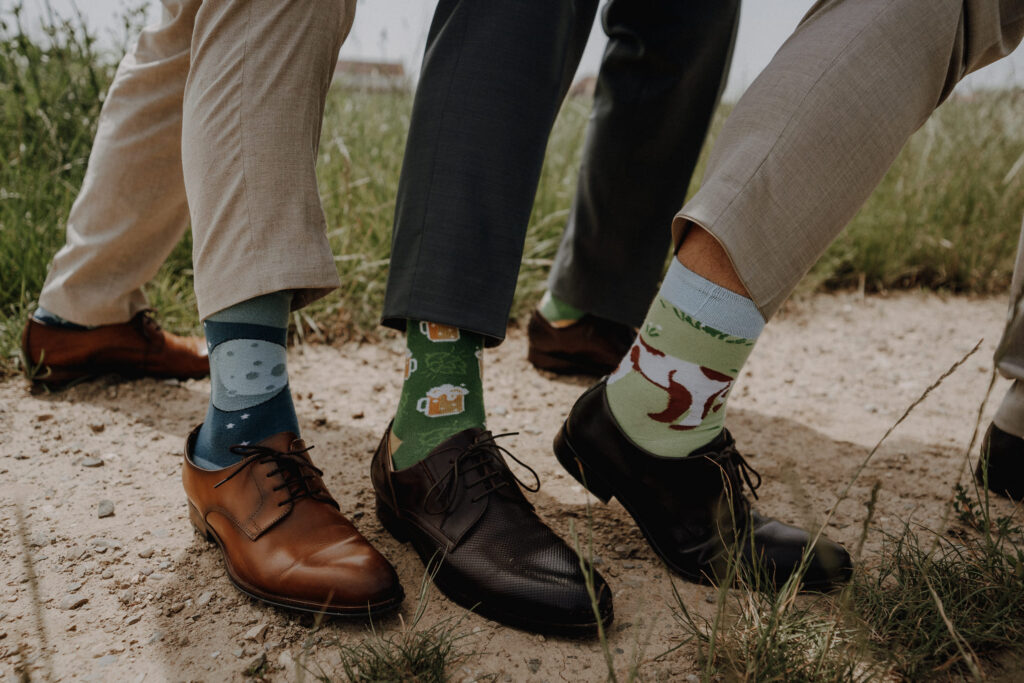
[493,77]
[252,112]
[799,154]
[129,214]
[1001,466]
[659,84]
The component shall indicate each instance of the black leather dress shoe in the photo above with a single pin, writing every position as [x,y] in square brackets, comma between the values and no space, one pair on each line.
[590,346]
[463,511]
[1005,463]
[691,510]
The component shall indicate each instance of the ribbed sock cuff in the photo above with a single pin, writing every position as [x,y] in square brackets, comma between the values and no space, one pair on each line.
[711,304]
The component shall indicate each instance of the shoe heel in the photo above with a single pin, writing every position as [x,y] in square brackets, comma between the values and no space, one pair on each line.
[392,523]
[198,523]
[578,469]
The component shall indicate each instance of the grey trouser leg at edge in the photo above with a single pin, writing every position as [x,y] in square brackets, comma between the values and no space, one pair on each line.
[1009,356]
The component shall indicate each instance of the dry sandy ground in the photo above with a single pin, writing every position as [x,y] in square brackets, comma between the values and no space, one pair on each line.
[137,596]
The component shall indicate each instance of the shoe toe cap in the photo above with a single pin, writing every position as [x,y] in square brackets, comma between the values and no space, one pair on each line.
[356,576]
[782,548]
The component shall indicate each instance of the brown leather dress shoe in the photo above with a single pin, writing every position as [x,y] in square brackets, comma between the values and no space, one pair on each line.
[691,509]
[57,356]
[282,536]
[590,346]
[463,511]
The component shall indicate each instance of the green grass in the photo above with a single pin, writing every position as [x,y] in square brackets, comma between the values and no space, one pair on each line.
[946,216]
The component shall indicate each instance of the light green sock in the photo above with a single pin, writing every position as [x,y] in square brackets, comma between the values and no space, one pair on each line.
[669,392]
[443,391]
[557,312]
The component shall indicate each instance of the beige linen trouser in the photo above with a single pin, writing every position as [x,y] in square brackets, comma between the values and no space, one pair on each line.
[818,129]
[214,113]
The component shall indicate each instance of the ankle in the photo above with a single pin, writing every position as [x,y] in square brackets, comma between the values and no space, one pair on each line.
[557,312]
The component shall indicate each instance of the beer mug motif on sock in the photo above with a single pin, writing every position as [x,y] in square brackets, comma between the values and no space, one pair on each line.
[443,400]
[436,332]
[410,364]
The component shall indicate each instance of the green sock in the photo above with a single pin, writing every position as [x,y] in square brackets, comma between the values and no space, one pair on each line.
[443,391]
[669,392]
[557,312]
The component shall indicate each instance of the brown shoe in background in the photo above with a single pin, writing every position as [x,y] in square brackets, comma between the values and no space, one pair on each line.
[283,538]
[57,356]
[590,346]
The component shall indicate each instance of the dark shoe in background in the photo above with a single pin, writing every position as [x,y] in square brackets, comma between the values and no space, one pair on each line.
[282,536]
[590,346]
[463,511]
[57,356]
[1005,463]
[692,510]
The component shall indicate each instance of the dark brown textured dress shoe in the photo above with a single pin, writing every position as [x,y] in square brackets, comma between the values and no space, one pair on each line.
[590,346]
[691,510]
[56,356]
[463,511]
[1005,463]
[283,538]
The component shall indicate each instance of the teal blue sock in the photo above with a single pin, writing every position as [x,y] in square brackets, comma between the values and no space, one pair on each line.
[47,318]
[249,394]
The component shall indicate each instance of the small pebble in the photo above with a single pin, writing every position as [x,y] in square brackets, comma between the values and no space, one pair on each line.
[73,601]
[146,554]
[256,632]
[533,665]
[105,509]
[108,573]
[204,599]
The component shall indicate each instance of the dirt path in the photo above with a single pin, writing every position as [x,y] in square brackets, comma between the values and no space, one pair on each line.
[137,596]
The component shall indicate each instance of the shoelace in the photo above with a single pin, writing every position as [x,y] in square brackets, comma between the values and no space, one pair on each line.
[480,456]
[147,324]
[297,471]
[737,466]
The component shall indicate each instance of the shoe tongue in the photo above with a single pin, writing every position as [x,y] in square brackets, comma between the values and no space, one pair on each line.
[282,442]
[458,442]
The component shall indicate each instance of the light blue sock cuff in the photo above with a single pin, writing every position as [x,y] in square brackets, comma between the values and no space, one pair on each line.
[715,306]
[270,309]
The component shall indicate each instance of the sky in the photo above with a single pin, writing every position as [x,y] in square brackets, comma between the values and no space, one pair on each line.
[396,30]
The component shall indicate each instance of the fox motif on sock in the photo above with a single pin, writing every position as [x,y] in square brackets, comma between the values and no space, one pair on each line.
[687,384]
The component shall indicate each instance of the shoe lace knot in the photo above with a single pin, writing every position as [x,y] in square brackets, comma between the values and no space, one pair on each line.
[739,470]
[300,477]
[147,325]
[483,457]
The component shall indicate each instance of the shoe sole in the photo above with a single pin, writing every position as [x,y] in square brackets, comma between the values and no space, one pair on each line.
[57,380]
[404,532]
[603,491]
[363,611]
[566,364]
